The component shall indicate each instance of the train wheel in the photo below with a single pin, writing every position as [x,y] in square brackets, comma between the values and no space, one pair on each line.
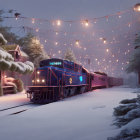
[72,91]
[81,90]
[66,92]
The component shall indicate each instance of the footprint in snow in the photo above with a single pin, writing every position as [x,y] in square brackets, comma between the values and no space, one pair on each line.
[98,107]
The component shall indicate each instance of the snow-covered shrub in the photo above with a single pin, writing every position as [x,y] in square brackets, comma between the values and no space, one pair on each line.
[128,118]
[127,101]
[1,91]
[132,114]
[123,109]
[127,134]
[19,85]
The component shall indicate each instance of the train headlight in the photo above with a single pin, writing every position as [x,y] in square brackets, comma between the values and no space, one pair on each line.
[43,80]
[38,72]
[38,80]
[33,81]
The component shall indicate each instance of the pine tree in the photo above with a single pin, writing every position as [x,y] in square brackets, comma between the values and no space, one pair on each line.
[34,49]
[69,55]
[6,31]
[134,62]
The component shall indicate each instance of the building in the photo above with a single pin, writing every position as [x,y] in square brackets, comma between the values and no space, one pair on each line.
[19,56]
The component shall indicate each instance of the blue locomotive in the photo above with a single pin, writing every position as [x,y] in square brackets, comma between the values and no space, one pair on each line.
[57,78]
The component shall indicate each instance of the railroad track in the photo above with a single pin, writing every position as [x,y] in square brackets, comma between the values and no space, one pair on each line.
[17,109]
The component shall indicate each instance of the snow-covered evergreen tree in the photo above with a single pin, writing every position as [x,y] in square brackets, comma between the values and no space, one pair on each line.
[34,49]
[69,55]
[134,62]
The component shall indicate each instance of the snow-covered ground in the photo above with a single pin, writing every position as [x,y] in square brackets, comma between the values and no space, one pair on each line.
[87,116]
[12,100]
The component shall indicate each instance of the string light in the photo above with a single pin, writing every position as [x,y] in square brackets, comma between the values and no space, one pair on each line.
[107,50]
[129,25]
[37,30]
[137,7]
[33,20]
[127,62]
[120,16]
[56,43]
[59,51]
[77,42]
[86,23]
[58,22]
[104,41]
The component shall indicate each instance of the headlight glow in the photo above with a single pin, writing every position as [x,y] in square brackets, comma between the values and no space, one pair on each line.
[38,80]
[43,80]
[38,72]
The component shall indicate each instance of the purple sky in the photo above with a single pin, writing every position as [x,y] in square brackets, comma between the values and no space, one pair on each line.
[67,9]
[119,36]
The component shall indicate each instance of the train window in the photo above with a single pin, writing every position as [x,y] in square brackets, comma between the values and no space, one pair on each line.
[52,62]
[55,63]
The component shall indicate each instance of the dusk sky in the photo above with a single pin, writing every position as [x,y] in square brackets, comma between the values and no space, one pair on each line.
[67,9]
[118,31]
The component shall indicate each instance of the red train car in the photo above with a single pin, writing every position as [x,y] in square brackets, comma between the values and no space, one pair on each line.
[102,80]
[99,80]
[112,81]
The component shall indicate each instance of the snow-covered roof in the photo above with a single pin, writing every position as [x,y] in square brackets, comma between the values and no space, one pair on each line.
[5,55]
[7,63]
[10,47]
[24,54]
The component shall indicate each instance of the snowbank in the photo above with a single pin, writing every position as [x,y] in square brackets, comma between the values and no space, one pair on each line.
[128,118]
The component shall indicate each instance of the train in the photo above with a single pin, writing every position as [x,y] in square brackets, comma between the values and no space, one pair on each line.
[56,79]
